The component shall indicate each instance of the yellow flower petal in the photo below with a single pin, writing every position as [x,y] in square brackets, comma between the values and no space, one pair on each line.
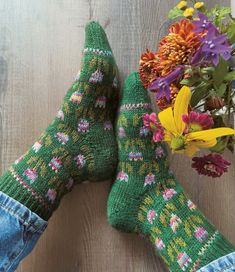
[167,120]
[206,144]
[210,134]
[181,107]
[191,149]
[167,136]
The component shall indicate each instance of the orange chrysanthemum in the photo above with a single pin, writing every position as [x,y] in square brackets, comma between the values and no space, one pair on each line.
[148,68]
[178,47]
[175,49]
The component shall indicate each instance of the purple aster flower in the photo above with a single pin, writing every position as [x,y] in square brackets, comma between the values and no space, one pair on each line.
[203,24]
[162,84]
[213,46]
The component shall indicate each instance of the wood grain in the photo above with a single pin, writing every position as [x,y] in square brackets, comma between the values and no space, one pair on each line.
[40,50]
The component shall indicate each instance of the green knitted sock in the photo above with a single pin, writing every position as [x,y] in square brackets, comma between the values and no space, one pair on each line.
[147,199]
[79,144]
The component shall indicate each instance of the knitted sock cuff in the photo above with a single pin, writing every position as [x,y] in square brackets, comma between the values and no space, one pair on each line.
[13,185]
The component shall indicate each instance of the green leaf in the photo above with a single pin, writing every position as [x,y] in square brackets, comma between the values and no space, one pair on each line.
[191,81]
[220,72]
[175,13]
[221,90]
[219,13]
[220,145]
[199,93]
[208,70]
[231,32]
[230,76]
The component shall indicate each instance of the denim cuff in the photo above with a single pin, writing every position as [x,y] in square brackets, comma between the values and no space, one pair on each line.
[223,264]
[28,218]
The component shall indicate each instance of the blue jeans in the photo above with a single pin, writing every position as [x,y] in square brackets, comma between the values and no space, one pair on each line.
[19,231]
[223,264]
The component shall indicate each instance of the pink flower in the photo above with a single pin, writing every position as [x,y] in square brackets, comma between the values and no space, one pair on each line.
[168,193]
[159,243]
[151,216]
[196,121]
[159,152]
[201,234]
[121,132]
[51,195]
[212,165]
[70,184]
[150,122]
[149,179]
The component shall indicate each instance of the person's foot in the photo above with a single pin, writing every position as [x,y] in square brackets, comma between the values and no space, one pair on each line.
[146,198]
[79,144]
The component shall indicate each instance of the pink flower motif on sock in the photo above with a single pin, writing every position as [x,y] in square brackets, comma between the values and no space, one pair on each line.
[60,115]
[83,126]
[183,260]
[121,132]
[55,164]
[96,77]
[37,146]
[159,244]
[30,174]
[159,151]
[62,137]
[108,125]
[191,205]
[70,184]
[76,97]
[168,193]
[151,216]
[149,179]
[122,176]
[80,161]
[174,222]
[101,102]
[200,234]
[51,195]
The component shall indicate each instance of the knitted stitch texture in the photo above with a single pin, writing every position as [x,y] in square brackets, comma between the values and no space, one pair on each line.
[79,144]
[147,199]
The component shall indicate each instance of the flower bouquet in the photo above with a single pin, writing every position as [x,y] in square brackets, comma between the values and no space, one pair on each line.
[191,75]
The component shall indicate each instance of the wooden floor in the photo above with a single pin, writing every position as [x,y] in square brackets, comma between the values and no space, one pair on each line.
[40,50]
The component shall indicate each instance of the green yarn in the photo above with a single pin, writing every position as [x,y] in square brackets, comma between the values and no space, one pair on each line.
[147,199]
[79,144]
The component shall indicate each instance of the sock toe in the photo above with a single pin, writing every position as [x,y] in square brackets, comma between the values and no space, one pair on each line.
[96,37]
[133,84]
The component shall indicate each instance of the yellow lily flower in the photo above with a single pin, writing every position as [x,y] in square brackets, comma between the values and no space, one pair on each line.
[174,127]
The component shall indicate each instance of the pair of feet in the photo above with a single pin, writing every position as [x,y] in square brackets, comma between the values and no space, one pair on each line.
[88,141]
[80,144]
